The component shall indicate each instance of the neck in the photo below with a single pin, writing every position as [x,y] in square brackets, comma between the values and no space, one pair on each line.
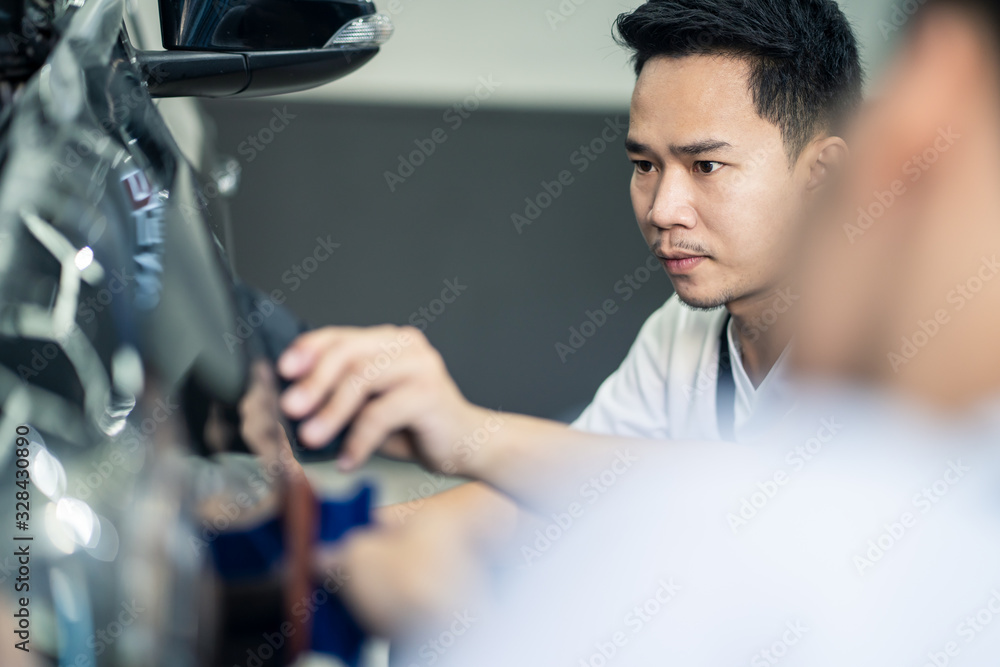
[763,329]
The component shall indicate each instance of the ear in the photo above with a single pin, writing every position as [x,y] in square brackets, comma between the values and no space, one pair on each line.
[824,158]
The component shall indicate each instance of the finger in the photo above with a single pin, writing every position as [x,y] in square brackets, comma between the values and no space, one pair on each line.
[337,350]
[351,394]
[398,445]
[328,559]
[382,372]
[313,389]
[261,374]
[361,349]
[305,350]
[375,423]
[258,411]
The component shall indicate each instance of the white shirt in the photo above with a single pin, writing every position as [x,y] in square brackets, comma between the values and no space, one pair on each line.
[666,387]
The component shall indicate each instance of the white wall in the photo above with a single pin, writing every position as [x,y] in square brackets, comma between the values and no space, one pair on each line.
[442,47]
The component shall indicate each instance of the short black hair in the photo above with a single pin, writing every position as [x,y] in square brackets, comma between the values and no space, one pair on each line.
[805,69]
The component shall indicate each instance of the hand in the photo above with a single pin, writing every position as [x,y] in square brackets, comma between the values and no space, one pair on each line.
[260,419]
[389,383]
[402,578]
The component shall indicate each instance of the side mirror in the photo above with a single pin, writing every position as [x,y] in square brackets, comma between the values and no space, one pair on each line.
[253,48]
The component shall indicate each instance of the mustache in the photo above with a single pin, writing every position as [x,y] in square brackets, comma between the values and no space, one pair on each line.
[686,246]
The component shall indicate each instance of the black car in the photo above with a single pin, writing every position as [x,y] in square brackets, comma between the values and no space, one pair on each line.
[149,533]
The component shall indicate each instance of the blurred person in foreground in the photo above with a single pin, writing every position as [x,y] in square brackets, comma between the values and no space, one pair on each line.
[867,532]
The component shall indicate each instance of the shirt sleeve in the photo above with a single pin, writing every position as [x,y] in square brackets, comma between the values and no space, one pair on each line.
[632,401]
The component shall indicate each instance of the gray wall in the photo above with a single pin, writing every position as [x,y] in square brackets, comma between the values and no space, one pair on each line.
[324,174]
[547,53]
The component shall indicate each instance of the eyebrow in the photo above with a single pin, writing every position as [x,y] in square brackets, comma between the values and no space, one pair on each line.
[699,147]
[696,148]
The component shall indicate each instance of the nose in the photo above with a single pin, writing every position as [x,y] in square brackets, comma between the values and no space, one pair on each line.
[672,204]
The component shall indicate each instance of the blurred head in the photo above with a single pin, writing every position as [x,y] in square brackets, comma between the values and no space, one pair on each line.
[903,278]
[734,125]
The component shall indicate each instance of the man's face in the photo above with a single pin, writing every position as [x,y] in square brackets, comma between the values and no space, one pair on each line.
[713,191]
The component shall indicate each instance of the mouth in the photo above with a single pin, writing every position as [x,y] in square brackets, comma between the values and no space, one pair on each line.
[680,263]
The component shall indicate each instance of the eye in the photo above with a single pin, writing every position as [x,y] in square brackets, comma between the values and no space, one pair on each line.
[643,166]
[707,167]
